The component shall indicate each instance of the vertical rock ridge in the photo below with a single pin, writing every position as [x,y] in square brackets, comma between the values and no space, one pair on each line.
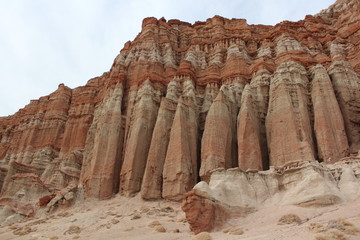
[288,109]
[104,147]
[346,83]
[180,168]
[217,145]
[328,121]
[153,176]
[248,133]
[260,90]
[139,137]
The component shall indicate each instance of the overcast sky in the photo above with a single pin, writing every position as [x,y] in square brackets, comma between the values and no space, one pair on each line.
[44,42]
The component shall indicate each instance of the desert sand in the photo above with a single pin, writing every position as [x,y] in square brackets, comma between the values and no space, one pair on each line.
[133,218]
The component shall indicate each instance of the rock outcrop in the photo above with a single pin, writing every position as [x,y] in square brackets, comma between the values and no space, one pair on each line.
[181,168]
[100,171]
[218,140]
[184,99]
[234,193]
[153,176]
[332,143]
[289,132]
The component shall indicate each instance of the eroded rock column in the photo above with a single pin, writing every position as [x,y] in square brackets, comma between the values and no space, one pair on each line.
[180,168]
[217,149]
[104,146]
[288,127]
[248,132]
[139,137]
[347,86]
[328,121]
[152,182]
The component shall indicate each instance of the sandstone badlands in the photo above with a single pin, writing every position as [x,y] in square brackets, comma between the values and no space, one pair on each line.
[233,120]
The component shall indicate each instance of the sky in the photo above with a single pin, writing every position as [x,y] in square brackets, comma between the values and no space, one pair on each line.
[44,42]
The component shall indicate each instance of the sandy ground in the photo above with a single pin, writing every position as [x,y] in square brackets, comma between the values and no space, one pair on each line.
[129,218]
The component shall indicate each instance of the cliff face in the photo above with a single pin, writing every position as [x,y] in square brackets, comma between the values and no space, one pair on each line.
[184,99]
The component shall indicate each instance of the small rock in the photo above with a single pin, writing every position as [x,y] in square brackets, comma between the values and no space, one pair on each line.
[183,220]
[65,214]
[160,228]
[167,209]
[154,224]
[135,216]
[73,229]
[234,231]
[114,221]
[144,209]
[316,227]
[289,219]
[202,236]
[176,230]
[112,213]
[23,231]
[68,196]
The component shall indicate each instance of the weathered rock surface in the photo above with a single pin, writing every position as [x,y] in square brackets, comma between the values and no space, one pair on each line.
[184,99]
[205,214]
[329,127]
[289,132]
[249,139]
[138,139]
[347,85]
[100,172]
[304,183]
[217,149]
[181,168]
[153,176]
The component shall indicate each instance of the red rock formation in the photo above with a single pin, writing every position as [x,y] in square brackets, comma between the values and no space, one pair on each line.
[138,141]
[180,168]
[100,172]
[347,85]
[217,140]
[328,121]
[153,176]
[248,133]
[205,214]
[288,125]
[119,132]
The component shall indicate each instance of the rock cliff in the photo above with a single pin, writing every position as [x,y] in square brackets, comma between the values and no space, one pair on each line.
[184,99]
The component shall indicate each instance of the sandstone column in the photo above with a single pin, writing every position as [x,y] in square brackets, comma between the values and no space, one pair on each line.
[216,141]
[347,86]
[218,145]
[180,168]
[328,121]
[288,126]
[104,144]
[248,132]
[138,142]
[152,183]
[260,92]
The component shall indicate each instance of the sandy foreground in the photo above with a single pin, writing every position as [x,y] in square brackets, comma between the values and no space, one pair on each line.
[133,218]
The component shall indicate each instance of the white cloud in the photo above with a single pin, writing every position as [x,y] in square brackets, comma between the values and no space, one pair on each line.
[44,43]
